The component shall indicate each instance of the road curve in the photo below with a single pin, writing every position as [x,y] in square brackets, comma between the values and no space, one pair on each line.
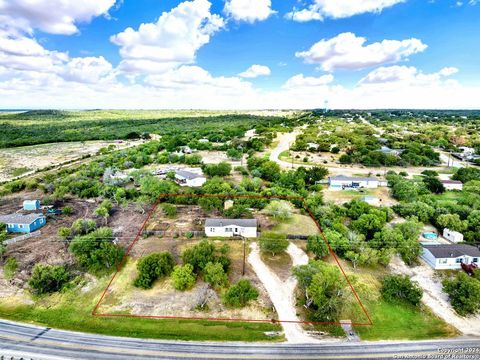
[39,343]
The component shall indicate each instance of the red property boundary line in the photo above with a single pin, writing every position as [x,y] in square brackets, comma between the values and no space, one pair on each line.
[290,198]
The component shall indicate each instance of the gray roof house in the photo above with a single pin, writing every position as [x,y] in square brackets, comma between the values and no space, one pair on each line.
[345,182]
[189,178]
[450,256]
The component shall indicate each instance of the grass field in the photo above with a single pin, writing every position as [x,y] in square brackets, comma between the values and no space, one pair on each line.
[297,225]
[71,310]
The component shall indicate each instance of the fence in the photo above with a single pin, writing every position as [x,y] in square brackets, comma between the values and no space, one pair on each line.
[22,237]
[175,234]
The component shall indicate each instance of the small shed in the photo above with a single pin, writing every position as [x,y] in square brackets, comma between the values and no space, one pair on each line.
[452,236]
[31,205]
[228,204]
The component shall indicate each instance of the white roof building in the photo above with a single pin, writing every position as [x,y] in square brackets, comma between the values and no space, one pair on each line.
[231,227]
[342,182]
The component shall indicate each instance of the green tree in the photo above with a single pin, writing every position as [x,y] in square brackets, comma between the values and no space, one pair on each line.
[273,243]
[400,287]
[183,277]
[466,174]
[205,252]
[279,209]
[434,185]
[3,237]
[369,224]
[214,275]
[317,245]
[239,294]
[464,293]
[47,279]
[222,169]
[452,222]
[153,267]
[96,250]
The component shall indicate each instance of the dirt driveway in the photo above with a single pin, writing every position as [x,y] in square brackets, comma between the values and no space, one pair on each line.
[435,298]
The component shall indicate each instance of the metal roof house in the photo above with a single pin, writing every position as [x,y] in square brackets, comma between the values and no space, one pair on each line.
[31,205]
[342,182]
[18,223]
[231,227]
[452,184]
[448,257]
[189,178]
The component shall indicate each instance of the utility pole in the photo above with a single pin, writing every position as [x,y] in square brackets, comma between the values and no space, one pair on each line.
[244,255]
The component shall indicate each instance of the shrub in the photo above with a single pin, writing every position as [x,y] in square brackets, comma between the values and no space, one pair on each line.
[47,279]
[273,243]
[10,267]
[398,287]
[183,277]
[152,267]
[316,244]
[240,294]
[169,210]
[464,293]
[67,210]
[201,254]
[279,209]
[215,275]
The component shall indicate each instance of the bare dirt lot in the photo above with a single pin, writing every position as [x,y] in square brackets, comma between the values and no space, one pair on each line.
[26,159]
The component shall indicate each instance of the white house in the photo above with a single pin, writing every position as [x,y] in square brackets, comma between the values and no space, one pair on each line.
[452,184]
[452,236]
[450,256]
[231,227]
[342,182]
[189,178]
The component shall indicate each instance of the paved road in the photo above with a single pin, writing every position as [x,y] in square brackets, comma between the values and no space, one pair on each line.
[32,342]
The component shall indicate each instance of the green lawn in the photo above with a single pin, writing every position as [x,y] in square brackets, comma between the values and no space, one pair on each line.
[297,225]
[71,310]
[403,322]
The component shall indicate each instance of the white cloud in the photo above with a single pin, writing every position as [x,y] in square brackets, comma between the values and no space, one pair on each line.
[408,75]
[248,10]
[86,69]
[336,9]
[51,16]
[256,71]
[300,81]
[170,42]
[347,51]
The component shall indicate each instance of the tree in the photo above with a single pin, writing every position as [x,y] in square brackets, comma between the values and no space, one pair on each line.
[317,245]
[205,252]
[3,237]
[215,275]
[102,212]
[240,294]
[452,222]
[222,169]
[183,277]
[315,174]
[273,243]
[404,190]
[96,250]
[369,224]
[279,209]
[47,279]
[153,187]
[466,174]
[434,185]
[400,287]
[324,288]
[153,267]
[464,293]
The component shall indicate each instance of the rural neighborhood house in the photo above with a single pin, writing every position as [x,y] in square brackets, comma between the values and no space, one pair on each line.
[231,227]
[449,257]
[342,182]
[189,178]
[19,223]
[452,184]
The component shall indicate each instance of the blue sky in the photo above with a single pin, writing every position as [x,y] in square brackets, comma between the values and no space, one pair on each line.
[194,54]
